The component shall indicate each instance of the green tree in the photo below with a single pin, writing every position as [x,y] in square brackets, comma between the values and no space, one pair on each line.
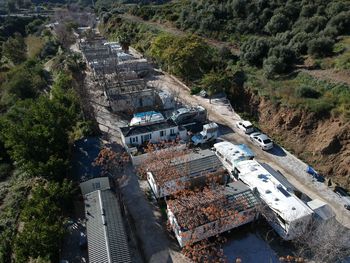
[214,82]
[273,65]
[320,47]
[15,49]
[125,41]
[42,218]
[278,23]
[189,57]
[36,133]
[254,50]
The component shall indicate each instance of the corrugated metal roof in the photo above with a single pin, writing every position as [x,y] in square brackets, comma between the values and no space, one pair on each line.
[107,239]
[233,197]
[195,163]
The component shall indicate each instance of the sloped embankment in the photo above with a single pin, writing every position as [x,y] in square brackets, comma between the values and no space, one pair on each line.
[321,142]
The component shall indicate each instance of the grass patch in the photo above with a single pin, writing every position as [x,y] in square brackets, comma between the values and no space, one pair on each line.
[302,91]
[341,59]
[34,46]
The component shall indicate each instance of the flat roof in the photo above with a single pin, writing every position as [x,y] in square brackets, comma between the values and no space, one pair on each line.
[106,236]
[230,198]
[277,196]
[137,130]
[247,123]
[234,152]
[322,209]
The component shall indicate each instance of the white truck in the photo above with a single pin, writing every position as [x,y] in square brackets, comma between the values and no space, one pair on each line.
[209,133]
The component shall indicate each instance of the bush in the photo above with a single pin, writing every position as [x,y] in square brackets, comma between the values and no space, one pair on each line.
[195,90]
[273,65]
[254,50]
[5,170]
[278,23]
[320,47]
[319,106]
[307,92]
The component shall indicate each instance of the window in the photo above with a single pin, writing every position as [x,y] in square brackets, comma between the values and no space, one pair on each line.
[135,139]
[229,162]
[220,155]
[162,133]
[172,132]
[146,137]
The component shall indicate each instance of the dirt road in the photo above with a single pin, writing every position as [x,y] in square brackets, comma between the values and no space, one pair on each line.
[278,158]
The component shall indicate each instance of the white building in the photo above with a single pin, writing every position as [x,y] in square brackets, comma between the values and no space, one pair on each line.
[154,133]
[286,213]
[192,169]
[234,205]
[230,154]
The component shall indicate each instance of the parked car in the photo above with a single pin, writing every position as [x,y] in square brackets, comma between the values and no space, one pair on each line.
[347,207]
[245,126]
[262,140]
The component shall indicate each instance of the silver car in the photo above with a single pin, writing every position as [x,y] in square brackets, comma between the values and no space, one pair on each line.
[262,140]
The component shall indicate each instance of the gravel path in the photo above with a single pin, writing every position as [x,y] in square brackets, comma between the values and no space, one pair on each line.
[280,159]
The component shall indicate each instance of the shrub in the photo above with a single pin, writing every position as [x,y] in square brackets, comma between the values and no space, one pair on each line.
[5,170]
[195,90]
[320,47]
[320,107]
[307,92]
[273,65]
[254,50]
[278,23]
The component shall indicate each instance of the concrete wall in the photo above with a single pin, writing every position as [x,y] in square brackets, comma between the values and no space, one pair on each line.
[133,101]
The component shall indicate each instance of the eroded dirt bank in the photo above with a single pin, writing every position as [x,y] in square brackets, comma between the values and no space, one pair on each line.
[321,141]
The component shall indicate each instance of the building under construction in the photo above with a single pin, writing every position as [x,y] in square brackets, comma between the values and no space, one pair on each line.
[119,74]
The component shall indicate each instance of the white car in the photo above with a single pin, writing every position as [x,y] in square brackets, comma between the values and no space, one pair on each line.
[262,140]
[245,126]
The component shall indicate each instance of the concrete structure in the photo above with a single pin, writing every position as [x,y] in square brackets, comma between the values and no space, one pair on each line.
[165,100]
[130,96]
[106,235]
[286,213]
[235,205]
[231,154]
[94,184]
[192,169]
[322,211]
[155,133]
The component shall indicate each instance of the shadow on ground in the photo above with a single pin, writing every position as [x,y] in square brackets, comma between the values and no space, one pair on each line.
[277,150]
[224,129]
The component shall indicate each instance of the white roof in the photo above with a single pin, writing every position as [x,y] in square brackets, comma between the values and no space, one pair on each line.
[272,192]
[232,152]
[247,123]
[146,118]
[322,209]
